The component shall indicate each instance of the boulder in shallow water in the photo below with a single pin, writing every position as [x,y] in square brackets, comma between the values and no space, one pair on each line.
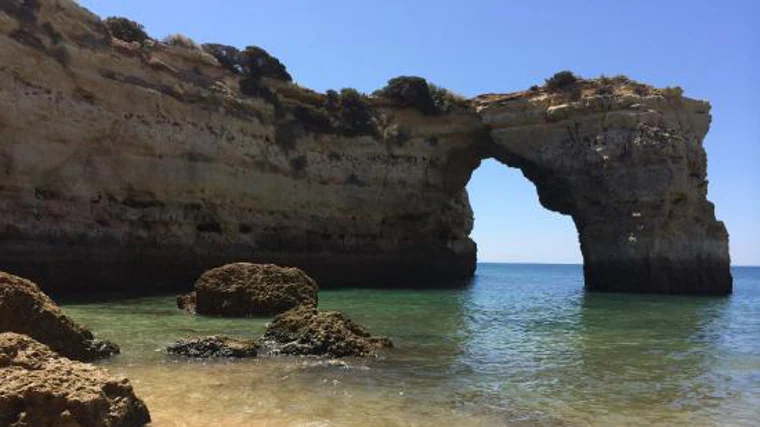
[25,309]
[41,388]
[215,346]
[306,331]
[245,289]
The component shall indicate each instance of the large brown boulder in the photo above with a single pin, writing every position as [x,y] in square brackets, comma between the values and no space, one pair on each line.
[245,289]
[41,388]
[25,309]
[306,331]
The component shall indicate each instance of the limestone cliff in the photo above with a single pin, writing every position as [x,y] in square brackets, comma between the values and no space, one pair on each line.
[626,162]
[139,165]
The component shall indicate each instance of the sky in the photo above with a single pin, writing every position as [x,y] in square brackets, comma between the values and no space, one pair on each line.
[710,48]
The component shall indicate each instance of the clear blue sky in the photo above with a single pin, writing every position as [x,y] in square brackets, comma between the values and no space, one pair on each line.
[710,48]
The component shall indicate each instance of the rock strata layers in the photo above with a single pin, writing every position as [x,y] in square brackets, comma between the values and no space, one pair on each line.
[626,162]
[25,309]
[246,289]
[130,165]
[41,388]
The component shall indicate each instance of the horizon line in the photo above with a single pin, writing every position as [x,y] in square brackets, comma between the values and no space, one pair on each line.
[573,263]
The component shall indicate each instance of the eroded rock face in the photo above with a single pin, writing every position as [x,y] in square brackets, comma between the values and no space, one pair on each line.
[25,309]
[305,331]
[627,164]
[41,388]
[155,163]
[214,346]
[246,289]
[127,166]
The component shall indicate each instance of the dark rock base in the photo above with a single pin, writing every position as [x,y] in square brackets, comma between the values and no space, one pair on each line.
[659,277]
[214,346]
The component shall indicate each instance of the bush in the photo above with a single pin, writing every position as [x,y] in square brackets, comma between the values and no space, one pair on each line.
[313,119]
[445,100]
[228,56]
[257,62]
[124,29]
[561,80]
[416,92]
[673,93]
[254,87]
[409,91]
[355,114]
[181,40]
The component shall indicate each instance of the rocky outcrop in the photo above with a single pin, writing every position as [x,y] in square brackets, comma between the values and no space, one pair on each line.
[155,162]
[626,162]
[244,289]
[25,309]
[305,331]
[214,346]
[41,388]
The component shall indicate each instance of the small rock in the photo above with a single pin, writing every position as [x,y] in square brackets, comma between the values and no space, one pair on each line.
[245,289]
[215,346]
[41,388]
[25,309]
[306,331]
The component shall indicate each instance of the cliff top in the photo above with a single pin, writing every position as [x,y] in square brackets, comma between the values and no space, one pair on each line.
[225,75]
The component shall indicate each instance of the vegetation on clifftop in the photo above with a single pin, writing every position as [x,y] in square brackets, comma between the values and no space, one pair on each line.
[125,29]
[416,92]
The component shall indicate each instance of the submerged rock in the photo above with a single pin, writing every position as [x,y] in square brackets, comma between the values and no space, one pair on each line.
[215,346]
[245,289]
[41,388]
[306,331]
[25,309]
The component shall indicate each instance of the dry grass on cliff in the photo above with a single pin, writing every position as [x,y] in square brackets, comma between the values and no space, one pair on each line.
[181,40]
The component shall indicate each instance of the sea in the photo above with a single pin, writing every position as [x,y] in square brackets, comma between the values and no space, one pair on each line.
[519,344]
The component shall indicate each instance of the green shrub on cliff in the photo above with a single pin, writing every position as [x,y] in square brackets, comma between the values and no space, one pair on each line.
[416,92]
[408,91]
[561,81]
[354,113]
[257,63]
[253,64]
[125,29]
[228,56]
[444,99]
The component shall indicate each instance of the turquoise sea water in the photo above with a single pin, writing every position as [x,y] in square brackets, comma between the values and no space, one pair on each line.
[521,345]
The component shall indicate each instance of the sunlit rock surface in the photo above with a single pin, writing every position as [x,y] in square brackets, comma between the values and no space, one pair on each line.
[25,309]
[41,388]
[128,166]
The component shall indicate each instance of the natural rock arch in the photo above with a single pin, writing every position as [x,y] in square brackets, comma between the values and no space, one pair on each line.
[631,172]
[129,166]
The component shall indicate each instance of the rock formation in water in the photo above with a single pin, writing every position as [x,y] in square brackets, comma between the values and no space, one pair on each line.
[41,388]
[305,331]
[215,346]
[244,289]
[135,164]
[25,309]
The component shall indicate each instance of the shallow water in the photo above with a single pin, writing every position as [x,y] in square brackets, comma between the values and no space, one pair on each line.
[522,345]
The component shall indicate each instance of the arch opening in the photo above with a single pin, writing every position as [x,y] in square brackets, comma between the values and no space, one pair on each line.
[510,223]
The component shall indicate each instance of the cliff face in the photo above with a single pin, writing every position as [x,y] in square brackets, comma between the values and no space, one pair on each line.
[131,167]
[629,167]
